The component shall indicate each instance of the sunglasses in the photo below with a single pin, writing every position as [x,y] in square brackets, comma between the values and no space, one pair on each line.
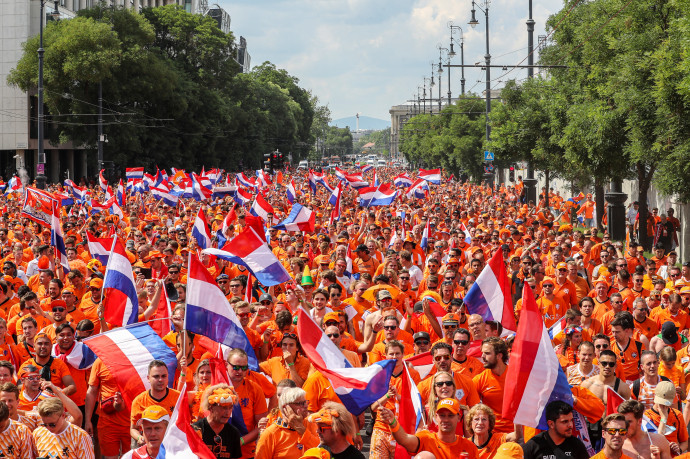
[390,327]
[221,282]
[403,278]
[265,303]
[235,286]
[244,314]
[240,367]
[612,431]
[33,378]
[52,425]
[438,358]
[463,342]
[449,327]
[58,309]
[333,335]
[602,346]
[443,383]
[422,342]
[608,364]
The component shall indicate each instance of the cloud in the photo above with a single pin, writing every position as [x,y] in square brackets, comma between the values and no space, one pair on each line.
[367,55]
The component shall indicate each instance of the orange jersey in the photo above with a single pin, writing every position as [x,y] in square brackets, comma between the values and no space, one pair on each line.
[277,369]
[628,358]
[429,441]
[490,388]
[675,419]
[280,441]
[101,377]
[471,366]
[648,328]
[16,441]
[72,440]
[252,402]
[465,390]
[144,400]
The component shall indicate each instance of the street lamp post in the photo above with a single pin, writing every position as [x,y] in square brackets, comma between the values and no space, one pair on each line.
[487,58]
[440,72]
[41,179]
[431,94]
[530,181]
[462,55]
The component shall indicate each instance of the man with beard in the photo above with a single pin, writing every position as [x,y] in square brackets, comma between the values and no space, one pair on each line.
[557,442]
[50,368]
[490,383]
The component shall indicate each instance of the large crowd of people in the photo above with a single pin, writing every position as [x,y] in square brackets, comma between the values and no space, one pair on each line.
[369,276]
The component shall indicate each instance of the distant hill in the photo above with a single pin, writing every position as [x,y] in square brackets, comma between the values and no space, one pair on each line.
[365,122]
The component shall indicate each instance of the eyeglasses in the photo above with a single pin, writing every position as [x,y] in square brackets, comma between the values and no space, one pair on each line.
[461,342]
[438,358]
[302,404]
[390,327]
[612,431]
[240,367]
[333,335]
[608,364]
[58,309]
[422,342]
[443,383]
[602,346]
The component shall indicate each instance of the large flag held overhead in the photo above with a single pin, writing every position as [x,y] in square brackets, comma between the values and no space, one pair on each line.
[56,238]
[181,441]
[250,250]
[490,297]
[38,206]
[120,301]
[431,176]
[208,312]
[534,376]
[261,208]
[383,195]
[357,388]
[300,219]
[127,352]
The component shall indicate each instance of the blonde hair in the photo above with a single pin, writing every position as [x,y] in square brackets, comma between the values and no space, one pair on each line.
[433,398]
[50,406]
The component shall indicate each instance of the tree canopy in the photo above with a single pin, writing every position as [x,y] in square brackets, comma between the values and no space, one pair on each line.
[173,94]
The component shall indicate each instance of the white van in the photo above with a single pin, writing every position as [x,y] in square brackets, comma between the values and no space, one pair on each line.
[304,164]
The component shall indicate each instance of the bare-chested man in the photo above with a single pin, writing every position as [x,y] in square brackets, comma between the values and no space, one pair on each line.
[607,377]
[641,444]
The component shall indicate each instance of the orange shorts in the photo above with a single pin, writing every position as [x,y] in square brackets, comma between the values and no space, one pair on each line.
[113,439]
[382,445]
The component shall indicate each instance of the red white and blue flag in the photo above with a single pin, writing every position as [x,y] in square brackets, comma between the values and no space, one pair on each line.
[261,208]
[102,181]
[99,247]
[300,219]
[357,388]
[291,192]
[248,249]
[534,377]
[383,195]
[556,328]
[168,197]
[410,409]
[200,231]
[263,179]
[134,173]
[356,181]
[80,356]
[490,297]
[366,168]
[423,363]
[431,176]
[120,193]
[243,180]
[127,352]
[403,180]
[208,312]
[418,189]
[120,302]
[223,191]
[181,441]
[242,197]
[426,232]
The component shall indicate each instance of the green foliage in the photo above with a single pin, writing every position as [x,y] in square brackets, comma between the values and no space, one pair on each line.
[454,139]
[381,140]
[338,142]
[173,92]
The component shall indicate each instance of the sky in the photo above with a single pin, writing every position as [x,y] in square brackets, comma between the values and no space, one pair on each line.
[364,56]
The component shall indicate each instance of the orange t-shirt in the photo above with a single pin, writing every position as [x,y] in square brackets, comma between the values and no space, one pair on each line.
[101,377]
[277,369]
[490,388]
[144,400]
[628,358]
[72,439]
[429,441]
[253,402]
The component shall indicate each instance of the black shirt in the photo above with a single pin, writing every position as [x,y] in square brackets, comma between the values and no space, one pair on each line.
[348,453]
[542,447]
[225,445]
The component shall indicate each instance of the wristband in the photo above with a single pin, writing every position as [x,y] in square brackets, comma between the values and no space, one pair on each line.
[358,434]
[265,342]
[663,420]
[388,395]
[395,428]
[291,364]
[241,441]
[183,375]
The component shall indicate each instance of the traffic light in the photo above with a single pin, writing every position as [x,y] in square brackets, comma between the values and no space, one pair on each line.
[268,163]
[511,173]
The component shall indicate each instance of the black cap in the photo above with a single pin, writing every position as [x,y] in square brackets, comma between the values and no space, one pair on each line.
[669,333]
[658,245]
[421,335]
[266,297]
[362,248]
